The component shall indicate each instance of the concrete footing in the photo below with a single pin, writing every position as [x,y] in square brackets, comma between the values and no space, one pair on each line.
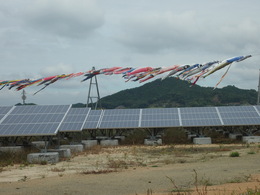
[120,137]
[235,136]
[39,144]
[63,153]
[13,149]
[202,140]
[191,136]
[73,148]
[251,139]
[109,142]
[152,142]
[89,143]
[101,137]
[49,157]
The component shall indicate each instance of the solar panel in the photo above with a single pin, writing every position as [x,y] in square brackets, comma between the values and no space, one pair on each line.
[33,120]
[40,109]
[198,110]
[92,119]
[74,119]
[257,107]
[200,116]
[3,111]
[159,117]
[239,115]
[120,118]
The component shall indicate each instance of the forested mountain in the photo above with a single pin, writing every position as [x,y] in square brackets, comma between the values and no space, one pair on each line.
[172,92]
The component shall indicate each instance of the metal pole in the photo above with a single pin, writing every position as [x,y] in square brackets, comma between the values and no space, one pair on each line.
[258,97]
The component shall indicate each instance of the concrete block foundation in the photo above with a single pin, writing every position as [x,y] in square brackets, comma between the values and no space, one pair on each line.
[202,140]
[120,137]
[153,142]
[191,136]
[73,148]
[89,143]
[109,142]
[40,158]
[251,139]
[235,136]
[39,144]
[63,153]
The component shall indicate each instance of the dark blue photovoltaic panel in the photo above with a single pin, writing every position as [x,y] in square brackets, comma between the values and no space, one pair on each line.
[236,109]
[3,111]
[160,123]
[92,119]
[199,116]
[74,119]
[40,109]
[160,117]
[201,122]
[122,112]
[33,120]
[119,124]
[158,111]
[28,129]
[258,108]
[198,110]
[120,118]
[65,127]
[241,121]
[239,115]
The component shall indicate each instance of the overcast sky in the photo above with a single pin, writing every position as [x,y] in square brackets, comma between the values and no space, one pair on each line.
[48,37]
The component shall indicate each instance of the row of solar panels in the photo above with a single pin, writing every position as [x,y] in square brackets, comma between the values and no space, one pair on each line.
[49,119]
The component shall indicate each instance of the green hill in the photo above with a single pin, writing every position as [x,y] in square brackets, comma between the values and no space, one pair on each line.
[172,92]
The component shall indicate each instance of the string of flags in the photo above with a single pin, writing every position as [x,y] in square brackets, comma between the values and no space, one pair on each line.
[190,73]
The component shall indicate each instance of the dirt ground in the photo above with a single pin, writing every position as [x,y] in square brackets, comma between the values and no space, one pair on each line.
[131,170]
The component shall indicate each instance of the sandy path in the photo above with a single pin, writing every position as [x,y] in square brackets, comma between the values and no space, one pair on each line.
[137,180]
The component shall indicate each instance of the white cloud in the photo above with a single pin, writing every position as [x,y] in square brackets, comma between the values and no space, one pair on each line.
[188,32]
[68,18]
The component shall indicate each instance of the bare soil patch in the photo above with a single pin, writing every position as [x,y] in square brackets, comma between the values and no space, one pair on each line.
[131,170]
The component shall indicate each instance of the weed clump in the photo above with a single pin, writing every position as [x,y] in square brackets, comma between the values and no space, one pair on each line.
[234,154]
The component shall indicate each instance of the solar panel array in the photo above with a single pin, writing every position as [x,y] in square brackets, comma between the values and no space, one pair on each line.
[32,120]
[120,118]
[48,120]
[239,115]
[200,116]
[160,117]
[74,120]
[93,119]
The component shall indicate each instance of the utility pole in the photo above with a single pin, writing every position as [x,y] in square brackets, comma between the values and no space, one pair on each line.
[258,97]
[93,82]
[23,97]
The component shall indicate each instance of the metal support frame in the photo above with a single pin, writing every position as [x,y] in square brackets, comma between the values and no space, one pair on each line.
[93,133]
[97,96]
[153,133]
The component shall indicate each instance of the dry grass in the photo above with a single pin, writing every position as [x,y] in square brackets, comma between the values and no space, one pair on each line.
[56,169]
[97,172]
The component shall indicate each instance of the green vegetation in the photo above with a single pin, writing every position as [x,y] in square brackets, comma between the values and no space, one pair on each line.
[234,154]
[172,92]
